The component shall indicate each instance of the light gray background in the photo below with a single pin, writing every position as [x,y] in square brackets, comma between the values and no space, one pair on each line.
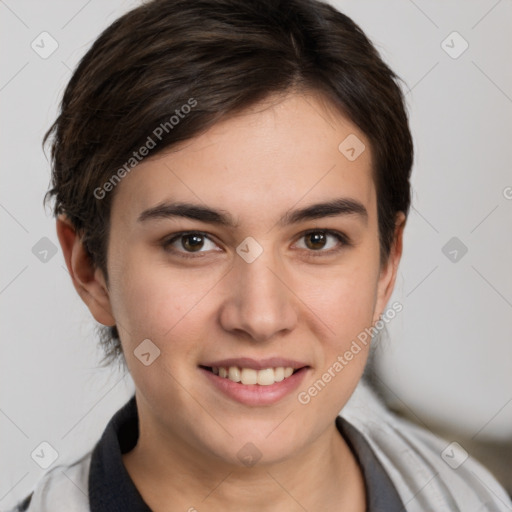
[448,359]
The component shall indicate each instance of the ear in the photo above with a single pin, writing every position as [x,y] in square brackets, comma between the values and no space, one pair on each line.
[88,281]
[389,271]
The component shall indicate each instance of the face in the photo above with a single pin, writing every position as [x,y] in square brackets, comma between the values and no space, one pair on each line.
[254,245]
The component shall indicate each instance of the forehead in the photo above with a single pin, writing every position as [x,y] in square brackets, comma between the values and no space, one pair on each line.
[281,153]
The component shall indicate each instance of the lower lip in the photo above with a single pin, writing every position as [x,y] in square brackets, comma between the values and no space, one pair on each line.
[255,394]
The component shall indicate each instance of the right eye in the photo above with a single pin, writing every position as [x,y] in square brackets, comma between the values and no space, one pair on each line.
[185,244]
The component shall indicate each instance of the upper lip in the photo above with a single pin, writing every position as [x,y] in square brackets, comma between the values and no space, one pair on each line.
[260,364]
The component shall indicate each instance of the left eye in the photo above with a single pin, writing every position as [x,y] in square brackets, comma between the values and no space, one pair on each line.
[319,240]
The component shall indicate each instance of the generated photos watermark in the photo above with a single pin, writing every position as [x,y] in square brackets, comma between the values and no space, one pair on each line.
[151,142]
[363,338]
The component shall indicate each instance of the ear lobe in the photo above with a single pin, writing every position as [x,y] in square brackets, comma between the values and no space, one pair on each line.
[88,280]
[389,271]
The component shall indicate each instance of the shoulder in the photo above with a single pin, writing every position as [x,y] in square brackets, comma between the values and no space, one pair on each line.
[429,473]
[62,489]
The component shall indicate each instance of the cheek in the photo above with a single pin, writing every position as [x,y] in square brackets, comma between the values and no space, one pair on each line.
[154,301]
[344,302]
[167,307]
[346,306]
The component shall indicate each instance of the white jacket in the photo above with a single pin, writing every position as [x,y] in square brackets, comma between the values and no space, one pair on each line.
[429,473]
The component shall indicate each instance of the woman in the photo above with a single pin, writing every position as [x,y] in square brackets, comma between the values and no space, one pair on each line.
[231,184]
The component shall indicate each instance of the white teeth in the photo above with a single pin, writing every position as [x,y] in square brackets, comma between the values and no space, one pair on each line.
[279,374]
[234,374]
[266,377]
[249,376]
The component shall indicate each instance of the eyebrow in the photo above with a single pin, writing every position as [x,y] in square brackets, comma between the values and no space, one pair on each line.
[333,208]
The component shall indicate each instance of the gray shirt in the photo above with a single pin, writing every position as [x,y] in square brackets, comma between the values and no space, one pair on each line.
[405,467]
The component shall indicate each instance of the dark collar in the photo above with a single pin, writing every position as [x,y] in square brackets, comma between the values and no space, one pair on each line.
[381,493]
[111,488]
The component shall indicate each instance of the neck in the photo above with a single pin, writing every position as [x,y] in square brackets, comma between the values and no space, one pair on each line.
[323,476]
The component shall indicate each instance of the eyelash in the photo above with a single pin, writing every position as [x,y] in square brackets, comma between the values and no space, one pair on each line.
[341,237]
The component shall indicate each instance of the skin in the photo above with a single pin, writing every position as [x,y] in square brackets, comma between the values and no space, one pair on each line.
[296,300]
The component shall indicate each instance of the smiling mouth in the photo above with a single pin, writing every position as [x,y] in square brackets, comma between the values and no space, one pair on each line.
[252,377]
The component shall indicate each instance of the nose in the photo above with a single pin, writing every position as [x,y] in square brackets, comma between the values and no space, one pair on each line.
[260,303]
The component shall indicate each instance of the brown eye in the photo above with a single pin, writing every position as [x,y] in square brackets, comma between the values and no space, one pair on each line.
[192,242]
[184,244]
[323,242]
[316,240]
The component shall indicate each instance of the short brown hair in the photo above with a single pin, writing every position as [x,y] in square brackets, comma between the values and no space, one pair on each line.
[227,55]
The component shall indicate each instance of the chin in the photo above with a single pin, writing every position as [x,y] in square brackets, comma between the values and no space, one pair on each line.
[252,447]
